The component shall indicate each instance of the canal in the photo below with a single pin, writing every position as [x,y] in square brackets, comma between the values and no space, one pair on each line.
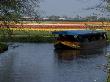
[33,62]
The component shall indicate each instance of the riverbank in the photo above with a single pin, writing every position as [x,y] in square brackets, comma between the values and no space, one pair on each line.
[3,47]
[28,36]
[108,80]
[108,67]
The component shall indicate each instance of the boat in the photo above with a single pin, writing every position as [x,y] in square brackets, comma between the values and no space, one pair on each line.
[80,39]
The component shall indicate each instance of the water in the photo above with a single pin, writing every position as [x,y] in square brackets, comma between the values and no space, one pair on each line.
[33,62]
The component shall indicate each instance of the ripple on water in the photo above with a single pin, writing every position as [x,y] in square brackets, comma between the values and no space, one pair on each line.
[32,62]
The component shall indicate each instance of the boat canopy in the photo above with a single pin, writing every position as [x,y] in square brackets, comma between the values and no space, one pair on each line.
[79,32]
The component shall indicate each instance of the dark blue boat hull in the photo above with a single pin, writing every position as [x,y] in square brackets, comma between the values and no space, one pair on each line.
[85,45]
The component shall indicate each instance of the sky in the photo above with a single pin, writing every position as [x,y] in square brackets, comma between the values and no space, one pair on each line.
[70,8]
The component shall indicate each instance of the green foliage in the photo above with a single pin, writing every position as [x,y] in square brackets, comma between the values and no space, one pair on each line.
[28,36]
[11,10]
[108,6]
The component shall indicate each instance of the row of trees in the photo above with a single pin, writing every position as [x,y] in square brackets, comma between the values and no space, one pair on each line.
[77,18]
[12,10]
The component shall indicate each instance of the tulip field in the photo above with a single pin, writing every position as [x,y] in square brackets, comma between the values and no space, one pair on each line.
[42,32]
[58,26]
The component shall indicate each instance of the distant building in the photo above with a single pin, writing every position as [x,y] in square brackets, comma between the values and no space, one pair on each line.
[61,18]
[45,18]
[26,17]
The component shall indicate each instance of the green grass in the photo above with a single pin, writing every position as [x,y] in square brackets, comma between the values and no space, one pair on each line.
[108,78]
[24,36]
[27,36]
[108,34]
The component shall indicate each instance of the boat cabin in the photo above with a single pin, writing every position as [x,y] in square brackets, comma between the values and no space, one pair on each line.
[78,39]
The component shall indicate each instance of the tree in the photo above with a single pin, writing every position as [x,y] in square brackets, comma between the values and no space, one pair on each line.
[91,18]
[108,5]
[12,10]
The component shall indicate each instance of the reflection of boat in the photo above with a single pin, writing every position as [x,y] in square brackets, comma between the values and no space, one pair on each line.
[72,54]
[80,39]
[66,54]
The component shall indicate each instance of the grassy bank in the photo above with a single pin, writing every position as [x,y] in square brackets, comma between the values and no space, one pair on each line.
[24,36]
[108,67]
[3,47]
[108,57]
[27,36]
[108,79]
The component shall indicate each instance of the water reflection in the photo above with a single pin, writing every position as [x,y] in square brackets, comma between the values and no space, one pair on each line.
[73,54]
[6,63]
[40,63]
